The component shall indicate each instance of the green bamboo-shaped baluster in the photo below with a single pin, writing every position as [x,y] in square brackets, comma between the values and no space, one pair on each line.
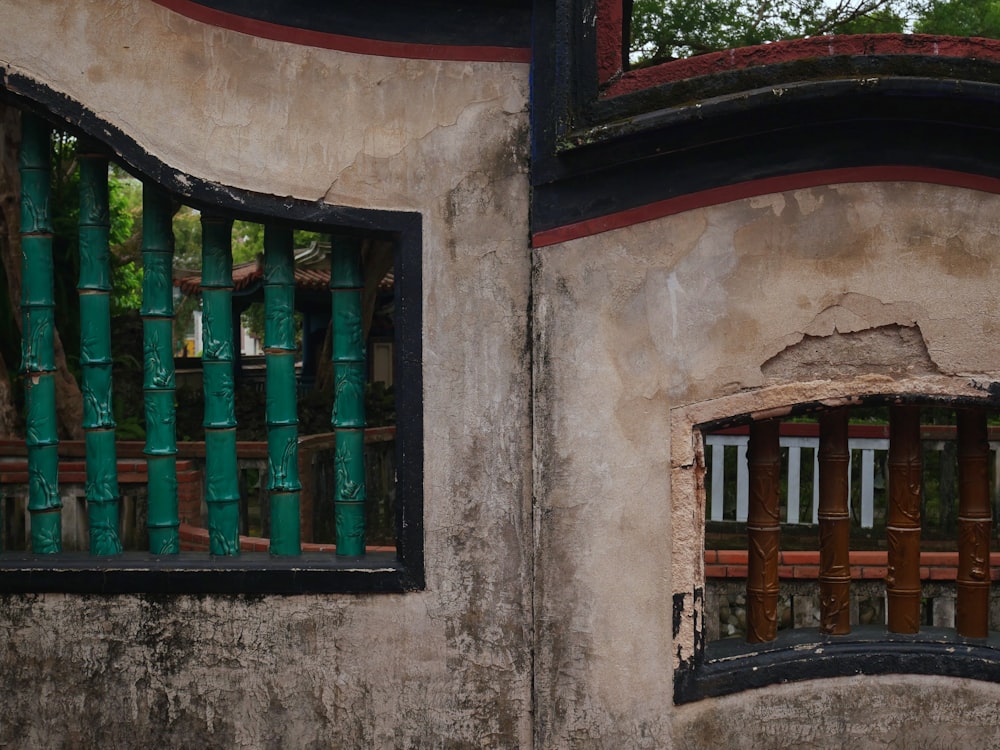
[349,374]
[282,416]
[159,382]
[222,491]
[95,354]
[37,347]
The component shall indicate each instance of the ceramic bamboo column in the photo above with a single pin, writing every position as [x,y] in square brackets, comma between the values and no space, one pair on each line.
[972,609]
[282,413]
[222,491]
[159,384]
[763,531]
[95,355]
[834,524]
[902,580]
[349,373]
[37,342]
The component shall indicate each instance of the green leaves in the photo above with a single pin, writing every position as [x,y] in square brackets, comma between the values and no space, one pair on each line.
[960,18]
[664,30]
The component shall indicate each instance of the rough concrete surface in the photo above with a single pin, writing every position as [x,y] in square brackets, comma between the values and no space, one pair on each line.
[825,294]
[446,667]
[904,711]
[562,391]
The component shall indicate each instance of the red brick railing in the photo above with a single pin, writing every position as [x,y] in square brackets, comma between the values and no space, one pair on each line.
[315,473]
[865,565]
[132,483]
[130,472]
[791,50]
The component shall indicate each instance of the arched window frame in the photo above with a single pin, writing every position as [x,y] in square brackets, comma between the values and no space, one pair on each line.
[724,667]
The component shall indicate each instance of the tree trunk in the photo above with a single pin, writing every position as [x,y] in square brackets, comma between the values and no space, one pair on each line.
[8,414]
[10,201]
[324,367]
[69,400]
[378,262]
[10,244]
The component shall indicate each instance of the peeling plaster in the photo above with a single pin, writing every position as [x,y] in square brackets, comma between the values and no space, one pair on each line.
[563,479]
[892,350]
[450,665]
[821,295]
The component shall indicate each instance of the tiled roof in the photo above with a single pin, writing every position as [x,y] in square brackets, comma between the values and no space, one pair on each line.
[312,271]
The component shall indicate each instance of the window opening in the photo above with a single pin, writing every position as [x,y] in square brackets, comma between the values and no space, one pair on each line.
[291,489]
[916,586]
[899,497]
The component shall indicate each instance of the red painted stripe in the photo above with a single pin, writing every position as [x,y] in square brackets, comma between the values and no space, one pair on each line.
[917,45]
[865,565]
[341,42]
[753,188]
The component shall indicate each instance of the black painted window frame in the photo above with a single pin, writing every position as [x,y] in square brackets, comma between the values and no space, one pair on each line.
[729,666]
[595,155]
[254,572]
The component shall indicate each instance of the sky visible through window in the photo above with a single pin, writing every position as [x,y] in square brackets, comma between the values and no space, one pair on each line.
[664,30]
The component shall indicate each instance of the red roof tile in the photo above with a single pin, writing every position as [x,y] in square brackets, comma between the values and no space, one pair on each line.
[312,271]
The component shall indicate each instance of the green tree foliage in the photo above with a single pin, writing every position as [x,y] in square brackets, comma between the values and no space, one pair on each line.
[248,244]
[125,204]
[669,29]
[187,239]
[248,239]
[960,18]
[665,30]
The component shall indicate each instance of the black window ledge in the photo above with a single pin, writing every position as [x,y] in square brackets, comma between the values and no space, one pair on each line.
[732,665]
[198,573]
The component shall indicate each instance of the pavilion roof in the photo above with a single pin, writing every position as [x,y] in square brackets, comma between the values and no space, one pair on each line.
[312,272]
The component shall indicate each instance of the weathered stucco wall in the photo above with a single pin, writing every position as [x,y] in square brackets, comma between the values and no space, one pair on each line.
[641,333]
[449,666]
[903,711]
[551,631]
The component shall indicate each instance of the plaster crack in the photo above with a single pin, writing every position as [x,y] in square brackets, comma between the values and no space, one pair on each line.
[381,144]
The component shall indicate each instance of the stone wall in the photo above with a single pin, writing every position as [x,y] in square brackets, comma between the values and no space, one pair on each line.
[562,515]
[450,665]
[642,333]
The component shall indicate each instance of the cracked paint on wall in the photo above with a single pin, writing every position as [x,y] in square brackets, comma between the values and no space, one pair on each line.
[446,666]
[647,331]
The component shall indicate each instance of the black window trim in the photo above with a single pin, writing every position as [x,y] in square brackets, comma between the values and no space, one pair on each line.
[254,573]
[596,157]
[729,666]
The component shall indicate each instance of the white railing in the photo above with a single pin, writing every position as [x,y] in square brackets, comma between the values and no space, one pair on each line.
[870,452]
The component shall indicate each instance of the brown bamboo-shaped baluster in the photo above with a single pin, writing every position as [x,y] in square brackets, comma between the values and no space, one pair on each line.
[763,530]
[902,580]
[975,523]
[834,524]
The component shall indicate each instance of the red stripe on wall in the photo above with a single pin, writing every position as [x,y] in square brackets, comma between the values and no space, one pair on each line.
[343,43]
[752,188]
